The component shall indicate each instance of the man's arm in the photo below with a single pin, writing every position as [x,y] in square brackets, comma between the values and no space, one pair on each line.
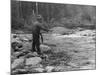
[44,29]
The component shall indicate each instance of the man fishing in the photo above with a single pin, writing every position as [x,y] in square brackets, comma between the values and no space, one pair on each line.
[36,33]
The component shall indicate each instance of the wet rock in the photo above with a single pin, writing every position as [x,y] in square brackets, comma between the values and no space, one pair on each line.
[16,46]
[49,68]
[39,69]
[58,69]
[26,51]
[33,61]
[28,67]
[89,62]
[27,45]
[72,64]
[44,56]
[17,63]
[45,48]
[14,72]
[34,68]
[12,58]
[24,39]
[88,67]
[92,61]
[15,40]
[18,54]
[86,33]
[62,68]
[14,36]
[34,54]
[19,71]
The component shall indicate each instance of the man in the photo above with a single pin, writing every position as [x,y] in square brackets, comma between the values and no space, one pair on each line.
[37,27]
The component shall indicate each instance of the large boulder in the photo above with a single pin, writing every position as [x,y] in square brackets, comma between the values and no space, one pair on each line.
[33,61]
[17,63]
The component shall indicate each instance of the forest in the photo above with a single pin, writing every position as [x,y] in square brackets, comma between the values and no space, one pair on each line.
[67,15]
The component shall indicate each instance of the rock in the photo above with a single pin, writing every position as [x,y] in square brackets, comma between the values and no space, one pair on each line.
[14,72]
[39,69]
[17,63]
[72,64]
[17,46]
[33,61]
[12,58]
[88,33]
[19,71]
[88,62]
[49,68]
[58,68]
[27,45]
[34,69]
[31,68]
[22,70]
[18,54]
[15,38]
[34,54]
[92,61]
[62,68]
[45,48]
[44,56]
[26,51]
[88,67]
[24,39]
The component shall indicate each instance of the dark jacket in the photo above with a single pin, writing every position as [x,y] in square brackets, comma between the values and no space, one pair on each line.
[36,28]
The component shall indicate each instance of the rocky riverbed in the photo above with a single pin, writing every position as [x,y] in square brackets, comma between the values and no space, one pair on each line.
[60,53]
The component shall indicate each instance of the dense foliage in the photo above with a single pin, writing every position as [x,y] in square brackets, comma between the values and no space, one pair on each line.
[68,15]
